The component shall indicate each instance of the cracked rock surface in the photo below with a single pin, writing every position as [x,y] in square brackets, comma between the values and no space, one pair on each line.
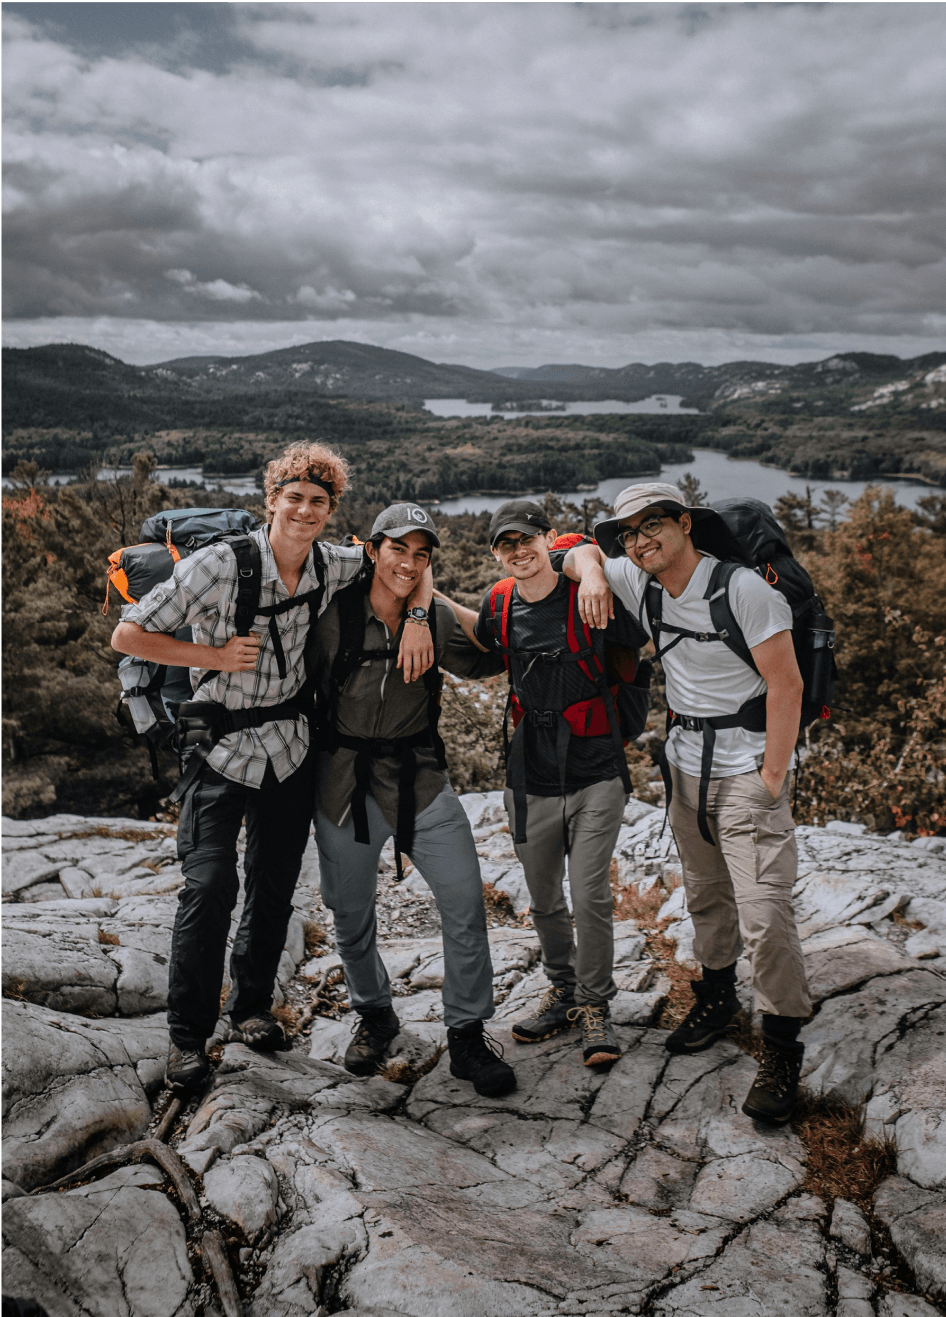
[639,1189]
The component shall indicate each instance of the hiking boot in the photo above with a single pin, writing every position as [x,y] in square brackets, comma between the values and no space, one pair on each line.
[373,1032]
[773,1096]
[597,1033]
[548,1018]
[475,1056]
[707,1021]
[262,1032]
[187,1070]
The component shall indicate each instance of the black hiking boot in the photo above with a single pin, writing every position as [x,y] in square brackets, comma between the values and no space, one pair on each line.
[774,1093]
[262,1032]
[187,1070]
[474,1056]
[548,1018]
[708,1020]
[375,1029]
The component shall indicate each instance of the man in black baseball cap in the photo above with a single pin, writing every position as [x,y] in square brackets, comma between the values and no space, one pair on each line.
[519,514]
[567,781]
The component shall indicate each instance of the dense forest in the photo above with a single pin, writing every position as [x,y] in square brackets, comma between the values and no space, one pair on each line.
[878,567]
[70,408]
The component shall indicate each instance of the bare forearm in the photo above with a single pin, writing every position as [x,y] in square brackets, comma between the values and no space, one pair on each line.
[239,654]
[467,617]
[581,559]
[782,717]
[422,594]
[155,647]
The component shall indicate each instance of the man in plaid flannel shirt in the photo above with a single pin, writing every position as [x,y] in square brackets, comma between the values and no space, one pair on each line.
[264,774]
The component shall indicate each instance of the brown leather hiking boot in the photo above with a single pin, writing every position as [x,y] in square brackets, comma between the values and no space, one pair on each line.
[373,1032]
[774,1093]
[707,1021]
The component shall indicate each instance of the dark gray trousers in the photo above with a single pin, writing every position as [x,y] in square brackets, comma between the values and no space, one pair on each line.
[592,817]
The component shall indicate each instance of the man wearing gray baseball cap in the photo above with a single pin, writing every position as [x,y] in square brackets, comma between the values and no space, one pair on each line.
[728,788]
[382,773]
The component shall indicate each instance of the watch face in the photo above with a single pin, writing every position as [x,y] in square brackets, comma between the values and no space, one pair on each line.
[420,613]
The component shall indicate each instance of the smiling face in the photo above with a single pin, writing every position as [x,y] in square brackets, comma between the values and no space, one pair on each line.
[399,564]
[299,512]
[523,556]
[666,545]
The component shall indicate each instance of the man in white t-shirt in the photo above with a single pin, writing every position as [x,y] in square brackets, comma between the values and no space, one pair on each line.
[728,752]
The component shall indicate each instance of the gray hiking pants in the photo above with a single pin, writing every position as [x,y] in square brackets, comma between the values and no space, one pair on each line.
[444,854]
[592,817]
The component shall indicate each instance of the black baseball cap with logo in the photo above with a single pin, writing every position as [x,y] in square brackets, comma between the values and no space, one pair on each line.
[518,514]
[400,519]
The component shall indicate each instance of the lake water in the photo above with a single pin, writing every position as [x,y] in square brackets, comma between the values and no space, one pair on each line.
[665,403]
[719,477]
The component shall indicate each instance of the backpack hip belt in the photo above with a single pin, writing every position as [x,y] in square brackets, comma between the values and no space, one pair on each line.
[751,717]
[398,747]
[349,657]
[202,724]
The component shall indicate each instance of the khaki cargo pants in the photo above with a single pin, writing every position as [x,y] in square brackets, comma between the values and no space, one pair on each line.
[739,892]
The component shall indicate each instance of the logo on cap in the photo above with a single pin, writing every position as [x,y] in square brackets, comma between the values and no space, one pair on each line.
[417,514]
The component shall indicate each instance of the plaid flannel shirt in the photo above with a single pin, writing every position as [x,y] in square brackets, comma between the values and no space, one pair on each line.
[202,594]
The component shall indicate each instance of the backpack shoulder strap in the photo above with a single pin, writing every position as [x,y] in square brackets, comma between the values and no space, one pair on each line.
[249,581]
[575,627]
[721,614]
[502,590]
[351,634]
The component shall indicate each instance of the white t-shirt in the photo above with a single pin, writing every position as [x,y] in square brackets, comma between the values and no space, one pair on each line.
[705,678]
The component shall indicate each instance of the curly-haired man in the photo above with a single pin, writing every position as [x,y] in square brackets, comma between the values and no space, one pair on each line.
[262,772]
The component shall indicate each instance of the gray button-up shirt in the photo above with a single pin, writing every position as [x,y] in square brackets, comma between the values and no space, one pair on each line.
[376,702]
[202,594]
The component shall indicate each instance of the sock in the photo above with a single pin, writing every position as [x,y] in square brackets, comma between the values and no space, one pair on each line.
[720,978]
[782,1030]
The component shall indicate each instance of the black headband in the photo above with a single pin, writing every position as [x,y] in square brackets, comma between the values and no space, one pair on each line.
[307,478]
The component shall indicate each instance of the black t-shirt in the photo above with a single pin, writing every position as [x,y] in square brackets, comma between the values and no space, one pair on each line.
[542,627]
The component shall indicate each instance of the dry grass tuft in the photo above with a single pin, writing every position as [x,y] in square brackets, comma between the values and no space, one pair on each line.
[898,917]
[314,935]
[631,903]
[842,1163]
[15,989]
[287,1015]
[497,901]
[404,1072]
[109,939]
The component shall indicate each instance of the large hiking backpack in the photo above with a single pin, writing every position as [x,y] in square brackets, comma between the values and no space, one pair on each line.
[153,694]
[746,534]
[621,683]
[351,655]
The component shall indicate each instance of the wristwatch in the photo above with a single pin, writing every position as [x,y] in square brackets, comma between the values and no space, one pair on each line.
[416,615]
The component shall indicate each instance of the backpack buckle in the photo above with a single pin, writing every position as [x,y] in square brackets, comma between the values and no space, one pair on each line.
[543,717]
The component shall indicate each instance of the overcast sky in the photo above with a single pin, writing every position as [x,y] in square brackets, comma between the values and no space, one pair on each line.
[492,184]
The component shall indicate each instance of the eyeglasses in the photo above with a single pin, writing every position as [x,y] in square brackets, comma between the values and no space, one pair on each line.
[648,528]
[508,546]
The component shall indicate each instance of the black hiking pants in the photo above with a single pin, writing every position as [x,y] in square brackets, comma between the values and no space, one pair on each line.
[278,816]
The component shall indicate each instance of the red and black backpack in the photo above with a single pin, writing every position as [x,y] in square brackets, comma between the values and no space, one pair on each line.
[621,681]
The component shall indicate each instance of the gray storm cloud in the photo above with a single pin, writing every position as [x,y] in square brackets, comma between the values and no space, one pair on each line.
[447,172]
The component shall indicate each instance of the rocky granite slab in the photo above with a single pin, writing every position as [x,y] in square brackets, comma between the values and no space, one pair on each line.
[638,1189]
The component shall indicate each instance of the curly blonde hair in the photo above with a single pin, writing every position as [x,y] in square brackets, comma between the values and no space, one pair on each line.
[298,459]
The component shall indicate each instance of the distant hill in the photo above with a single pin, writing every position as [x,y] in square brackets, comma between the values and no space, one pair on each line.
[855,380]
[83,388]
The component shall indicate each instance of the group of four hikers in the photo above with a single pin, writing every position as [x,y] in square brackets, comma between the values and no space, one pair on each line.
[366,656]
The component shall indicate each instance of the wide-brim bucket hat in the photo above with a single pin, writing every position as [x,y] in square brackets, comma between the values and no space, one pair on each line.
[635,498]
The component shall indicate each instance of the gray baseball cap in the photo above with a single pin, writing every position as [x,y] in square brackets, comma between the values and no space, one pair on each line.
[634,499]
[400,519]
